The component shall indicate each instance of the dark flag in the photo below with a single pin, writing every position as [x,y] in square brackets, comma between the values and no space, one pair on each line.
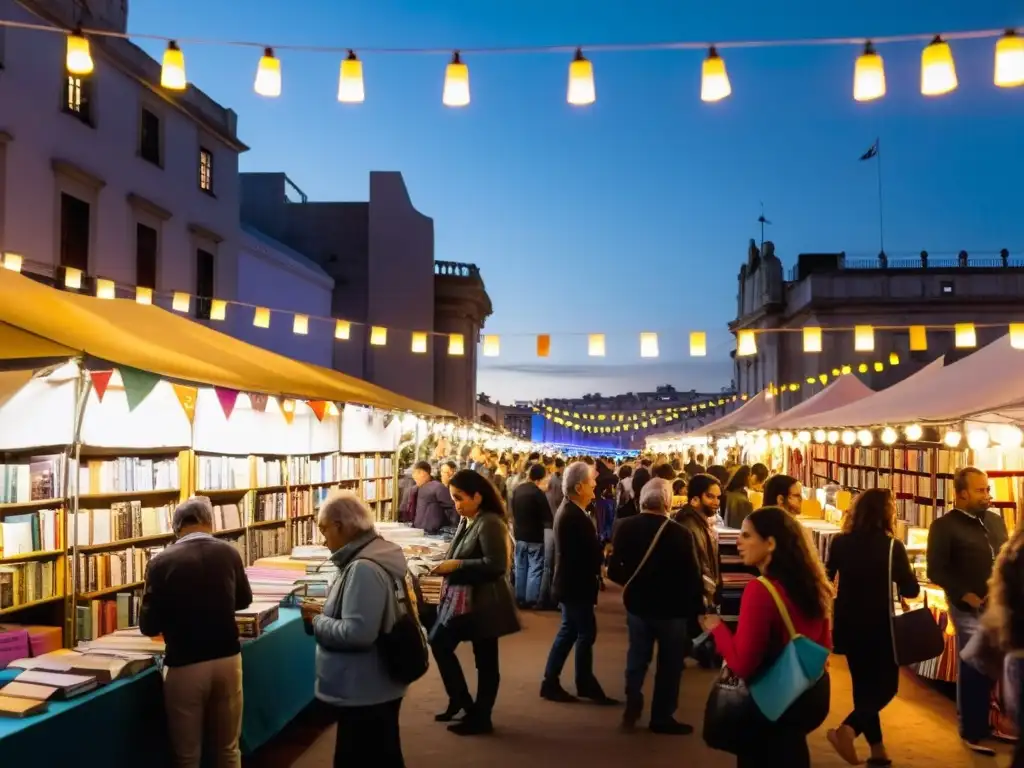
[872,152]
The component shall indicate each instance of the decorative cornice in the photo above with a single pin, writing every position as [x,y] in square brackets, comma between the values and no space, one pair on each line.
[148,206]
[77,173]
[207,234]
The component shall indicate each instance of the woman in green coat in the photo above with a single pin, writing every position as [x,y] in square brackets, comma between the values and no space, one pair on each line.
[477,604]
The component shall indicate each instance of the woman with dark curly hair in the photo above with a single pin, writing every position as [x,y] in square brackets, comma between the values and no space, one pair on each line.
[775,543]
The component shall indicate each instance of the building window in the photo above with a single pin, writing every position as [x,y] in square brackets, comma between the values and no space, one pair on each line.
[947,288]
[206,170]
[149,138]
[78,98]
[74,233]
[204,283]
[145,256]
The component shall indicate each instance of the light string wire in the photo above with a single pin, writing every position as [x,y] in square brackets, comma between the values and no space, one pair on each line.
[670,45]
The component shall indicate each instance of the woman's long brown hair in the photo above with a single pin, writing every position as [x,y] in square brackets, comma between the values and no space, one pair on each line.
[873,509]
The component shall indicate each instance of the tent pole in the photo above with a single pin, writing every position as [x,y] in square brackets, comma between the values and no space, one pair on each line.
[83,386]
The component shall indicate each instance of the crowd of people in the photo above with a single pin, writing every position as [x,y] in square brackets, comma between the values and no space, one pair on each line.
[536,533]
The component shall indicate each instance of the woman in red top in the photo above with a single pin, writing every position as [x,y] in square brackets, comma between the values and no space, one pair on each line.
[776,544]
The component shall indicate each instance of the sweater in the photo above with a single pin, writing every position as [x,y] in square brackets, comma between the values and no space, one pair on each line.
[531,513]
[761,634]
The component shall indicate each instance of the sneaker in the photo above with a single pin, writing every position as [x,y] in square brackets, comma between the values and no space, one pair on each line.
[671,728]
[553,691]
[979,749]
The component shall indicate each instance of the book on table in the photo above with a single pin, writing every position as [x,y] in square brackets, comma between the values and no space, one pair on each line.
[253,620]
[67,686]
[14,706]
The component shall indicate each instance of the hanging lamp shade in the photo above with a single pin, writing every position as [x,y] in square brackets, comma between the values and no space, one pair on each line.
[456,344]
[79,56]
[698,344]
[378,336]
[419,343]
[581,90]
[1009,70]
[648,344]
[13,262]
[864,338]
[105,289]
[714,80]
[868,75]
[1017,335]
[596,345]
[180,301]
[300,325]
[543,345]
[143,295]
[261,317]
[72,278]
[492,345]
[456,83]
[894,359]
[938,71]
[918,338]
[172,73]
[218,309]
[350,80]
[343,330]
[746,344]
[964,336]
[812,339]
[268,75]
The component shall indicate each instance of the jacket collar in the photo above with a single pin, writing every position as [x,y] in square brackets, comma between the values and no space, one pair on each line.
[347,553]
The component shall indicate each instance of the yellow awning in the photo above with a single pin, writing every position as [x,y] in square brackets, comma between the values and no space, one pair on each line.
[124,332]
[16,344]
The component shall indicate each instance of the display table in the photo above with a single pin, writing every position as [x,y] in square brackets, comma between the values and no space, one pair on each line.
[123,723]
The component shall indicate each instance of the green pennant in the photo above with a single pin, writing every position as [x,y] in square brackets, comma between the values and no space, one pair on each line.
[137,385]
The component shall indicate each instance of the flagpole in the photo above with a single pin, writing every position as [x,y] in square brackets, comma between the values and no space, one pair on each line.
[881,223]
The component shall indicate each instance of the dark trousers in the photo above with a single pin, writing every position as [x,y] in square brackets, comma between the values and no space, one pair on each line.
[670,635]
[364,731]
[488,676]
[876,678]
[1018,679]
[973,688]
[578,628]
[775,747]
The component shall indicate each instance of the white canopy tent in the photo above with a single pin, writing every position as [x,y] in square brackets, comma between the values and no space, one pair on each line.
[750,415]
[842,392]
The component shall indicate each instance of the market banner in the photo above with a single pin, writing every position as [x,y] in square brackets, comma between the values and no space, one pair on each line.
[227,399]
[187,397]
[137,385]
[100,382]
[319,408]
[258,401]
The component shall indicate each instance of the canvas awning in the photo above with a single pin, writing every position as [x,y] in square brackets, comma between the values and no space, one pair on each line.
[750,415]
[123,332]
[17,345]
[842,391]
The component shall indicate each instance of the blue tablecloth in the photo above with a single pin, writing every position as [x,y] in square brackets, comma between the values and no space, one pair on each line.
[123,723]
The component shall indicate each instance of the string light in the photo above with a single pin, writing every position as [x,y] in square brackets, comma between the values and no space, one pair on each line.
[218,309]
[746,344]
[964,336]
[180,302]
[105,289]
[1017,335]
[812,339]
[143,295]
[79,57]
[268,75]
[350,80]
[938,71]
[918,338]
[1009,67]
[864,338]
[868,75]
[492,345]
[419,343]
[456,83]
[913,432]
[72,278]
[378,336]
[261,317]
[13,262]
[342,330]
[300,325]
[456,345]
[581,91]
[648,345]
[596,345]
[172,73]
[714,80]
[698,344]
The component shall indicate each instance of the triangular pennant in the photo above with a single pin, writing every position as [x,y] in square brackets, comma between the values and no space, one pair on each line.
[137,385]
[100,382]
[258,401]
[318,407]
[227,399]
[287,409]
[187,397]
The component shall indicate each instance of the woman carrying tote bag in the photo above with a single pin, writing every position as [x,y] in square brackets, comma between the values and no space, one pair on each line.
[868,559]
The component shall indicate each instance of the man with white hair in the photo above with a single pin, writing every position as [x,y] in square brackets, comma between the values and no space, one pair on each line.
[193,589]
[578,560]
[351,673]
[654,558]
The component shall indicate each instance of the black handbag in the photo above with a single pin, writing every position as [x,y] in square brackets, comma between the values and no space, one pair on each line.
[915,635]
[730,714]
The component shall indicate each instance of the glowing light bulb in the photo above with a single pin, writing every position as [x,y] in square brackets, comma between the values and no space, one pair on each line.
[350,81]
[868,75]
[172,73]
[456,83]
[714,80]
[1009,69]
[938,71]
[889,436]
[268,75]
[581,91]
[913,432]
[79,57]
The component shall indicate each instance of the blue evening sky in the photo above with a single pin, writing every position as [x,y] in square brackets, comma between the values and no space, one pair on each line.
[633,214]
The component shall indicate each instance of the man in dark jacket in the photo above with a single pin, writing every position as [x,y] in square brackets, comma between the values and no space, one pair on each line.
[962,546]
[578,560]
[431,500]
[531,515]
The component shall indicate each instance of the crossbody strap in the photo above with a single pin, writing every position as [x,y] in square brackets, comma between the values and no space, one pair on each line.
[647,554]
[793,634]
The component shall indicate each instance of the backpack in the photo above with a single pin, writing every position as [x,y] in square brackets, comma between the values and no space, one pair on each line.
[404,648]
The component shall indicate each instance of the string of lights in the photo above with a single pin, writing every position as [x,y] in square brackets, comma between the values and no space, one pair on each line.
[938,68]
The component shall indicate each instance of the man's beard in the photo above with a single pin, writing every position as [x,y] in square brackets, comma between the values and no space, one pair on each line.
[709,512]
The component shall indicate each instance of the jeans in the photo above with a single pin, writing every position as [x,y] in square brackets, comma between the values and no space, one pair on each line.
[371,730]
[488,675]
[876,679]
[670,635]
[579,628]
[529,572]
[549,567]
[973,688]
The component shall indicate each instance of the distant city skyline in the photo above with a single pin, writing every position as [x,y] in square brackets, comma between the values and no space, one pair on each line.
[633,214]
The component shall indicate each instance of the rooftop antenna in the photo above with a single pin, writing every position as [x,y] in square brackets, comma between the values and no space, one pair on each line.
[762,221]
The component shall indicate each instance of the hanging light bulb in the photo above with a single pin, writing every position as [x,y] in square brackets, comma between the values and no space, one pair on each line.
[79,57]
[938,71]
[1009,70]
[350,80]
[812,339]
[889,436]
[865,438]
[714,80]
[820,436]
[172,73]
[1009,436]
[977,439]
[268,75]
[833,436]
[913,432]
[581,90]
[868,75]
[952,438]
[804,436]
[849,437]
[456,83]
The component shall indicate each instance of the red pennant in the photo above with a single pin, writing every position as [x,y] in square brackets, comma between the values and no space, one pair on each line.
[258,402]
[227,398]
[319,408]
[100,382]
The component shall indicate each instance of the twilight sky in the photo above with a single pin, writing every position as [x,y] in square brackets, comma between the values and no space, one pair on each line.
[632,215]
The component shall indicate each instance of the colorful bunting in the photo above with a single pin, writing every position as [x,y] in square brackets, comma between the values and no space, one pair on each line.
[287,409]
[137,385]
[258,401]
[187,397]
[319,408]
[100,382]
[227,399]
